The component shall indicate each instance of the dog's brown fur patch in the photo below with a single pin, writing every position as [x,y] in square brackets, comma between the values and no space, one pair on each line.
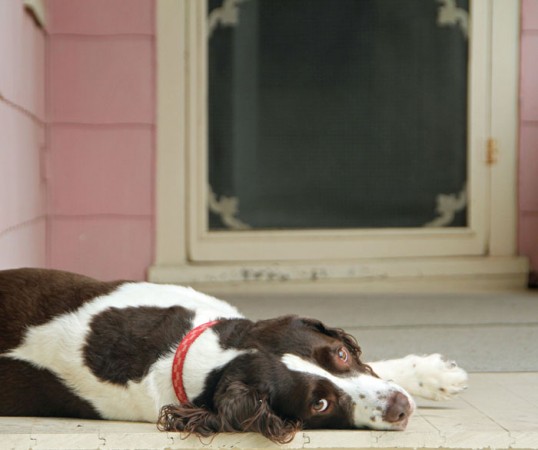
[124,343]
[26,390]
[30,297]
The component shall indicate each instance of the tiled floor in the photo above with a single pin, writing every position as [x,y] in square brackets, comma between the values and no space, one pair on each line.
[498,411]
[494,335]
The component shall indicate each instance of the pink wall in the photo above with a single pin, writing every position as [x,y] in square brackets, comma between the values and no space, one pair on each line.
[101,108]
[22,139]
[528,161]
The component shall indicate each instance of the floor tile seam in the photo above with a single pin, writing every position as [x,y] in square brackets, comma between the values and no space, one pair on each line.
[483,413]
[438,430]
[516,434]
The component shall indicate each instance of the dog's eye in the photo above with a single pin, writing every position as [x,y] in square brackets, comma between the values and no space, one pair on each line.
[343,354]
[320,406]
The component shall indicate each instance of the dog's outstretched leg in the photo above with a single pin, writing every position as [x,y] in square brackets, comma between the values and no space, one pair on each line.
[430,376]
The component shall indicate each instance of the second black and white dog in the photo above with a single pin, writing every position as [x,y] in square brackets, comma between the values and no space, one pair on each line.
[72,346]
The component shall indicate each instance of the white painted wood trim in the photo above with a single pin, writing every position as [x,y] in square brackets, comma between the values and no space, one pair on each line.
[197,148]
[479,112]
[470,269]
[504,123]
[171,182]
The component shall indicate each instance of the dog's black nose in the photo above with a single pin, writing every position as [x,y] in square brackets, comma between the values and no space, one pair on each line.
[398,408]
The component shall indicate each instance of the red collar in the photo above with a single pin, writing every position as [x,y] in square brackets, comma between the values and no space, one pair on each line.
[179,359]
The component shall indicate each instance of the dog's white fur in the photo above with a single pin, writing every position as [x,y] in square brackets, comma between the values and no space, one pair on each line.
[429,376]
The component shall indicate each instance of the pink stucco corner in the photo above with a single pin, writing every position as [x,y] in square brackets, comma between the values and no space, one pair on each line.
[22,61]
[24,246]
[21,171]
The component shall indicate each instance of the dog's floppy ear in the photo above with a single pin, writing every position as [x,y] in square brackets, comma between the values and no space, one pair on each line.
[243,408]
[237,408]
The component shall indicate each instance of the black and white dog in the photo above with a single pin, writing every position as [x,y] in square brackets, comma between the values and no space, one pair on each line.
[71,346]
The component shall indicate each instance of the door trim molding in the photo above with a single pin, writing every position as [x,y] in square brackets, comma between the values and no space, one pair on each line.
[504,127]
[178,130]
[440,273]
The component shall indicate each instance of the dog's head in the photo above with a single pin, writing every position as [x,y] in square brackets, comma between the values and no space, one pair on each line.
[297,374]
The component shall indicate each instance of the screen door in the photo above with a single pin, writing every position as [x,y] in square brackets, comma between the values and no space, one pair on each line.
[337,129]
[346,114]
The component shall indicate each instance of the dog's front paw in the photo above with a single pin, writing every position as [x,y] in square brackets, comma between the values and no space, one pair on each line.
[436,378]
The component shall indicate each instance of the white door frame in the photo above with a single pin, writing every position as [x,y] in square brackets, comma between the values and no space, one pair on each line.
[182,239]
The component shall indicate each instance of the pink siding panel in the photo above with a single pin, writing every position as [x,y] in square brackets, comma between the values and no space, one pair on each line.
[101,80]
[24,246]
[10,32]
[22,56]
[528,157]
[529,78]
[528,237]
[102,113]
[105,248]
[22,135]
[529,15]
[101,170]
[22,195]
[528,171]
[101,16]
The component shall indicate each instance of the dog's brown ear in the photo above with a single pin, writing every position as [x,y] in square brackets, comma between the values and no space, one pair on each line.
[243,408]
[237,408]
